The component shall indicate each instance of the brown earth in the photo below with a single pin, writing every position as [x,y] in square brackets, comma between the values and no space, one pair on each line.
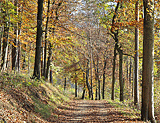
[89,111]
[18,105]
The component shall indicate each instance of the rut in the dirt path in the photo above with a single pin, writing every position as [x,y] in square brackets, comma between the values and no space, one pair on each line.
[85,111]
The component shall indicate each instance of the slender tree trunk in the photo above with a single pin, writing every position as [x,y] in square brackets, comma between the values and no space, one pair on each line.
[9,56]
[50,45]
[38,40]
[84,87]
[5,38]
[115,35]
[29,59]
[24,59]
[15,42]
[121,83]
[84,90]
[45,47]
[147,110]
[51,78]
[87,79]
[96,79]
[65,83]
[19,54]
[91,75]
[96,97]
[5,47]
[76,85]
[104,77]
[113,72]
[1,35]
[99,83]
[136,84]
[19,41]
[127,73]
[49,60]
[130,76]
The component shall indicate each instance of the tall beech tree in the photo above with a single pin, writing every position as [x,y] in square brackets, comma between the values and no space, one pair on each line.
[15,42]
[6,21]
[38,40]
[147,111]
[114,34]
[53,31]
[46,34]
[136,61]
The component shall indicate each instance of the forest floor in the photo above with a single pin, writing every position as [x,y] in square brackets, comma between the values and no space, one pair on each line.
[97,111]
[23,100]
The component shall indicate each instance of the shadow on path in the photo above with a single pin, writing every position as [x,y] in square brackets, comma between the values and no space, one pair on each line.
[89,111]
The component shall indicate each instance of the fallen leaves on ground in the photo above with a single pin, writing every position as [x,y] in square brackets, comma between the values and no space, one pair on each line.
[82,111]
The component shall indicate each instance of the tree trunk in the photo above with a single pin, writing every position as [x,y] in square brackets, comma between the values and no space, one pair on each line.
[51,78]
[49,60]
[5,47]
[45,47]
[29,59]
[127,73]
[15,42]
[5,39]
[121,83]
[104,77]
[113,72]
[87,79]
[38,40]
[136,84]
[84,87]
[50,45]
[75,85]
[96,97]
[130,76]
[1,35]
[99,83]
[24,59]
[84,90]
[65,83]
[91,74]
[147,110]
[19,41]
[115,36]
[1,30]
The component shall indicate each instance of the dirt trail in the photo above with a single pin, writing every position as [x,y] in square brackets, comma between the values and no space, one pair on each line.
[89,111]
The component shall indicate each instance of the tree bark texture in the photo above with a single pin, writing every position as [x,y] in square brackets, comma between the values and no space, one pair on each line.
[130,78]
[15,42]
[91,64]
[46,34]
[84,90]
[104,77]
[38,40]
[5,48]
[51,78]
[113,72]
[87,79]
[5,39]
[76,85]
[49,60]
[84,87]
[50,45]
[65,83]
[99,82]
[136,58]
[147,110]
[121,83]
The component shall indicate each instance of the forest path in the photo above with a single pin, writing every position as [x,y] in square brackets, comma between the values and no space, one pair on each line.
[93,111]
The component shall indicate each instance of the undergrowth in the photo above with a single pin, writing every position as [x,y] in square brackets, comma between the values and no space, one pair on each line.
[36,96]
